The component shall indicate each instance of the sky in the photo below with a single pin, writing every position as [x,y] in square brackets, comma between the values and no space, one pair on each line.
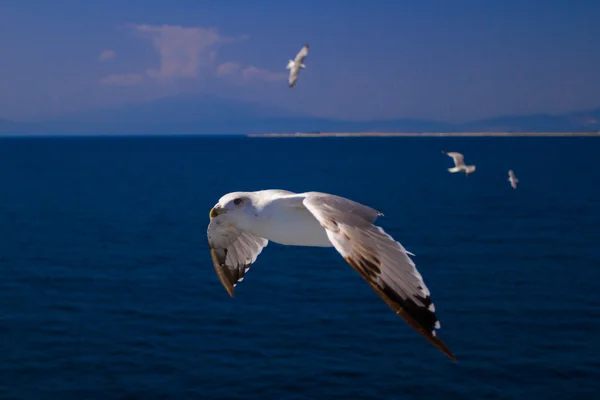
[445,60]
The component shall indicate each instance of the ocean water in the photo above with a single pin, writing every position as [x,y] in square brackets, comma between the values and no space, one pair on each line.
[107,290]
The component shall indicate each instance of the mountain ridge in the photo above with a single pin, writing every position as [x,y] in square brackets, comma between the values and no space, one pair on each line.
[210,114]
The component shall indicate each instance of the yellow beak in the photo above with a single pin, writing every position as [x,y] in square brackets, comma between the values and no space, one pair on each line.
[216,210]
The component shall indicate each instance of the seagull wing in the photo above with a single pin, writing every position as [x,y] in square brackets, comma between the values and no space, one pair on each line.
[232,251]
[293,75]
[301,55]
[379,259]
[295,66]
[458,158]
[512,179]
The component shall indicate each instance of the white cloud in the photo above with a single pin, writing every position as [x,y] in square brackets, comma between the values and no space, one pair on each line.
[252,73]
[184,52]
[227,68]
[106,55]
[190,53]
[235,73]
[122,80]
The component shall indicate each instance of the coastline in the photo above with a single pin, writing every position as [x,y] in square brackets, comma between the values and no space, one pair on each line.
[429,134]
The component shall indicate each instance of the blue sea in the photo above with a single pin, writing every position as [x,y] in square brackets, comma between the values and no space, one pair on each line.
[107,290]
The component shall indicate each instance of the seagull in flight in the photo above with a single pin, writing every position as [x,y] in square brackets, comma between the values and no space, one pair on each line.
[512,179]
[296,64]
[243,223]
[459,163]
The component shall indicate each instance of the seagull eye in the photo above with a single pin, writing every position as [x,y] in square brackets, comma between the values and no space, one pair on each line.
[237,202]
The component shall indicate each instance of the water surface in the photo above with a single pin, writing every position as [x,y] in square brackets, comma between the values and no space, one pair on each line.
[107,290]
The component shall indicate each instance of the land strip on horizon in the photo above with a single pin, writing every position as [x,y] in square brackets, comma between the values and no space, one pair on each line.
[428,134]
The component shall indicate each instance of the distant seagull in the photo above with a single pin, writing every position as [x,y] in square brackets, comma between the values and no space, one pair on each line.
[296,64]
[512,179]
[459,163]
[242,223]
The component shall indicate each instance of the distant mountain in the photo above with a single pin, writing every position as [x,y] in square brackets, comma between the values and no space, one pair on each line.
[215,115]
[7,126]
[581,121]
[208,115]
[177,115]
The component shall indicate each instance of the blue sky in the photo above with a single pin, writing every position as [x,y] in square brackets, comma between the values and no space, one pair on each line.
[447,60]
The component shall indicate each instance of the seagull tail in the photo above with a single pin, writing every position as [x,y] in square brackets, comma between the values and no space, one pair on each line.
[290,64]
[454,169]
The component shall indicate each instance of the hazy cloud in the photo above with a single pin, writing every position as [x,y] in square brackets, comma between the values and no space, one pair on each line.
[183,52]
[252,73]
[106,55]
[235,73]
[190,53]
[228,68]
[122,80]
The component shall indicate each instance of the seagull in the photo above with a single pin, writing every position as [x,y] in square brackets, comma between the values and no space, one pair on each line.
[243,223]
[459,163]
[296,64]
[512,179]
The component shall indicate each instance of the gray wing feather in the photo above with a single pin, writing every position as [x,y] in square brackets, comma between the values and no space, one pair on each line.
[379,259]
[232,251]
[301,55]
[293,76]
[458,158]
[342,208]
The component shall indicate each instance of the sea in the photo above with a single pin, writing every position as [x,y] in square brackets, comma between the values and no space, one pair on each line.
[107,290]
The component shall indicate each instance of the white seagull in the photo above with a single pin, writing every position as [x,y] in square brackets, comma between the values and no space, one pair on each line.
[296,64]
[243,223]
[512,179]
[459,163]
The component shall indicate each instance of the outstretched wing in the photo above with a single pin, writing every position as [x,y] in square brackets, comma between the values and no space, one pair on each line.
[301,55]
[512,179]
[296,65]
[232,251]
[379,259]
[458,158]
[293,76]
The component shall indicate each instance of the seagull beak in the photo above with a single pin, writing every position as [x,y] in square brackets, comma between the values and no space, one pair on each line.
[216,210]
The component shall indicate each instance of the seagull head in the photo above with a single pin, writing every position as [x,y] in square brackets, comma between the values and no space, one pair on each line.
[238,206]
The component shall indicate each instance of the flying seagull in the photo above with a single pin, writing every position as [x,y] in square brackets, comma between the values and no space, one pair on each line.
[296,64]
[459,163]
[512,179]
[243,223]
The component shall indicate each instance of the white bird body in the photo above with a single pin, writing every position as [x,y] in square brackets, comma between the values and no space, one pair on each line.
[291,64]
[296,65]
[242,224]
[307,229]
[459,163]
[512,179]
